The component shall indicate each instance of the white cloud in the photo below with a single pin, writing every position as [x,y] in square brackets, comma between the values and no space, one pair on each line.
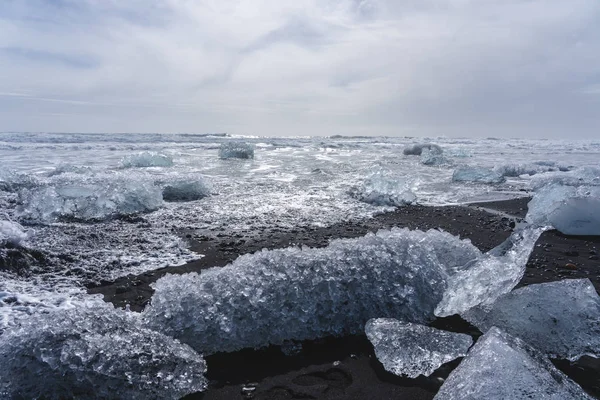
[455,67]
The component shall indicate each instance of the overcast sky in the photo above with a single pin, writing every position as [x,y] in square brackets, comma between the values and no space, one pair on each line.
[514,68]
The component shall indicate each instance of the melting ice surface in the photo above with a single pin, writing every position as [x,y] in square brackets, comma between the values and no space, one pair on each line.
[500,367]
[92,351]
[562,319]
[410,349]
[147,159]
[572,210]
[296,294]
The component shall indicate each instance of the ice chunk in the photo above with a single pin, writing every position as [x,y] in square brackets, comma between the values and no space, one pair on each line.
[585,176]
[12,181]
[476,175]
[296,294]
[90,202]
[491,275]
[501,367]
[385,189]
[11,233]
[571,210]
[236,149]
[410,349]
[147,159]
[69,169]
[434,156]
[515,170]
[562,319]
[185,190]
[93,352]
[417,149]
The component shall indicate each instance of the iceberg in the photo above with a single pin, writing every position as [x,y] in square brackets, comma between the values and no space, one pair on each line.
[410,349]
[12,233]
[383,189]
[302,293]
[236,149]
[561,319]
[491,275]
[417,149]
[91,352]
[585,176]
[147,159]
[477,175]
[90,202]
[569,209]
[185,190]
[500,367]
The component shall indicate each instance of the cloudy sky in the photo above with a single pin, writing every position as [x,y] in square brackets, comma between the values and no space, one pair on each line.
[511,68]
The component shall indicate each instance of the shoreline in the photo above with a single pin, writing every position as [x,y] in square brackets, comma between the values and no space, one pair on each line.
[346,368]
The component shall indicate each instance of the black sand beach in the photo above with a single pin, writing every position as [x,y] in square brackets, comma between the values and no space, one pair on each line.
[346,368]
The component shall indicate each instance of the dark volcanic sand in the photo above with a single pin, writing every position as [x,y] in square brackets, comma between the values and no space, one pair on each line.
[346,368]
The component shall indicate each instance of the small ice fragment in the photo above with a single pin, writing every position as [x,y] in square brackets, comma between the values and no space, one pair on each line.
[236,149]
[500,367]
[147,159]
[11,233]
[385,189]
[491,275]
[417,149]
[477,175]
[185,190]
[562,319]
[571,210]
[410,349]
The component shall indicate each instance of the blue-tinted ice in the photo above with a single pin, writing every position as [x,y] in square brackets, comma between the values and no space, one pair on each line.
[562,319]
[385,189]
[411,349]
[477,175]
[296,294]
[502,367]
[147,159]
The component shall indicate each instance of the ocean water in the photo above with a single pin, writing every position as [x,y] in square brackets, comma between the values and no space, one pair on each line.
[93,207]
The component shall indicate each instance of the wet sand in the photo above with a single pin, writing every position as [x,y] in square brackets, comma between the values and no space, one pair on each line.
[346,368]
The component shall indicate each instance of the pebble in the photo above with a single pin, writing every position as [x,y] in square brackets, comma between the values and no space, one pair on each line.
[570,266]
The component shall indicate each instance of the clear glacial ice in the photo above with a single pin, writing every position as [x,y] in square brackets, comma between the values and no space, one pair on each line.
[12,181]
[93,351]
[91,201]
[185,190]
[147,159]
[408,349]
[491,275]
[385,189]
[417,149]
[434,156]
[582,176]
[572,210]
[561,319]
[12,233]
[236,149]
[477,175]
[295,294]
[500,367]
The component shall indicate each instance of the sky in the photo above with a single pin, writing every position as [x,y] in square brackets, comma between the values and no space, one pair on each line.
[462,68]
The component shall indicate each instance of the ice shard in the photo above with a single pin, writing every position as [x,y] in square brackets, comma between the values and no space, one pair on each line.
[562,319]
[94,352]
[411,349]
[295,294]
[491,275]
[500,367]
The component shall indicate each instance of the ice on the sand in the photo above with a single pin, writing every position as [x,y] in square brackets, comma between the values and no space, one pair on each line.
[491,275]
[515,170]
[585,176]
[501,367]
[385,189]
[417,149]
[411,349]
[94,352]
[11,233]
[185,190]
[236,149]
[12,181]
[91,202]
[147,159]
[296,294]
[562,319]
[434,156]
[569,209]
[477,175]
